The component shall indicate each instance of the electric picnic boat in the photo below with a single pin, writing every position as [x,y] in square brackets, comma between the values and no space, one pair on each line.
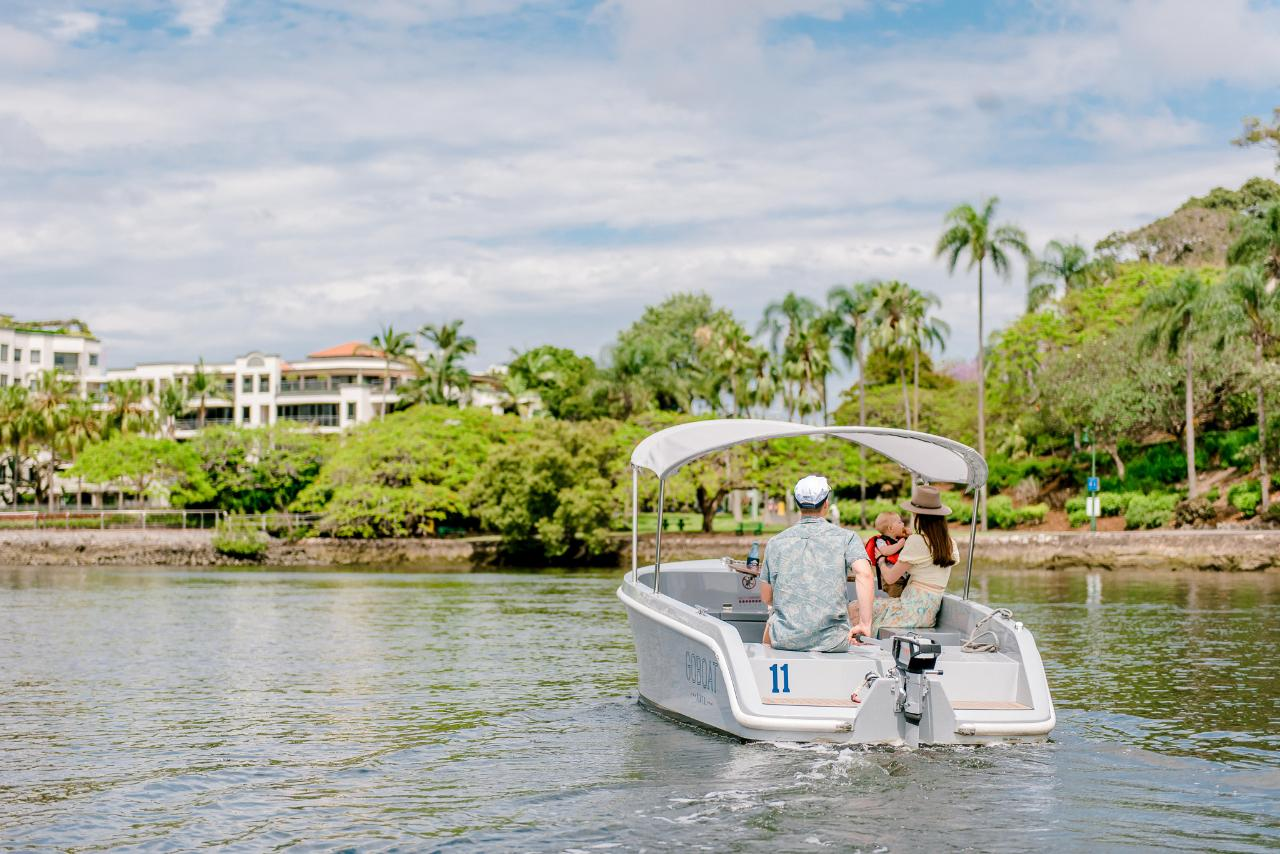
[973,678]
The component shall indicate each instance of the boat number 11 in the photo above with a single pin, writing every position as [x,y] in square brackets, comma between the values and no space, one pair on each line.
[780,670]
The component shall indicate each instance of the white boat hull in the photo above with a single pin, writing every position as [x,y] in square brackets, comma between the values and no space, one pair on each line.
[697,667]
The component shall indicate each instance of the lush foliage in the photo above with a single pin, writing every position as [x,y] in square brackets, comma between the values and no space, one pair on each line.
[237,537]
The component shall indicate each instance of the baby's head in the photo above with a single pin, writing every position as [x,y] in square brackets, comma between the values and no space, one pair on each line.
[890,524]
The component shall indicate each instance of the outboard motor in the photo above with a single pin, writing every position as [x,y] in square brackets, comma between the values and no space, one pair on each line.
[914,656]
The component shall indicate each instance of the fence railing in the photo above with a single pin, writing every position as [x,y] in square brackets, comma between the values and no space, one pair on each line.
[194,423]
[145,519]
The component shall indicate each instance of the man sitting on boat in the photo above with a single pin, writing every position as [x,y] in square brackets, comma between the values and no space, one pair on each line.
[928,555]
[803,581]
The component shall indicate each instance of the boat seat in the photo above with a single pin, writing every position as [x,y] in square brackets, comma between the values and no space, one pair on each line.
[759,650]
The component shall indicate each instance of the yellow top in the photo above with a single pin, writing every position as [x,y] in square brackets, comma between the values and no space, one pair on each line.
[915,551]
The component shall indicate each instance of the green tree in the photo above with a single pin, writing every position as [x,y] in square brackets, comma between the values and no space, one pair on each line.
[800,340]
[923,332]
[852,310]
[127,412]
[393,346]
[971,232]
[1253,312]
[82,426]
[554,494]
[1172,313]
[48,404]
[1258,242]
[144,463]
[171,404]
[444,369]
[656,362]
[731,365]
[258,470]
[18,430]
[893,332]
[561,379]
[1258,132]
[1063,264]
[199,387]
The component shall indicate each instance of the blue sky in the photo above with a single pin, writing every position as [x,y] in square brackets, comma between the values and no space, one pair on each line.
[206,177]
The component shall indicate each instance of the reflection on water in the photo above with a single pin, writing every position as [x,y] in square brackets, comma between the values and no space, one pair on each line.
[495,712]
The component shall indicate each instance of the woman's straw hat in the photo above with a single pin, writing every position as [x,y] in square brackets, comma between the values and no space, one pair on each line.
[926,501]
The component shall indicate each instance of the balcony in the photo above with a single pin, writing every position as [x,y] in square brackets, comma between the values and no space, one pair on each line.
[312,420]
[194,423]
[309,386]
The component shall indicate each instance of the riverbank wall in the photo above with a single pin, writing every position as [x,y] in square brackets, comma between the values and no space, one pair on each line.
[1209,550]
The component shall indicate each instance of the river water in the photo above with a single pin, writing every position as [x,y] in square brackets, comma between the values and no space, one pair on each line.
[170,710]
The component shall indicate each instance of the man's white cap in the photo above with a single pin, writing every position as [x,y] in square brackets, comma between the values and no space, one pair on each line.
[811,491]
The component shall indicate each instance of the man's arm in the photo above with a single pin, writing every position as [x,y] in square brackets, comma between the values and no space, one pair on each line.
[864,582]
[766,593]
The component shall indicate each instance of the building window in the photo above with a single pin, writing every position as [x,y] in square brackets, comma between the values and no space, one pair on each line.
[4,352]
[66,361]
[264,383]
[93,360]
[35,357]
[246,384]
[244,415]
[4,380]
[17,354]
[351,412]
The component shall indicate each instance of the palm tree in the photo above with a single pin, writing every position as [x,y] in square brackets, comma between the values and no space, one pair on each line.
[82,426]
[127,414]
[47,409]
[200,386]
[17,431]
[172,403]
[851,310]
[730,360]
[1065,264]
[1172,311]
[798,338]
[892,309]
[1259,243]
[445,366]
[1253,306]
[393,346]
[922,333]
[970,231]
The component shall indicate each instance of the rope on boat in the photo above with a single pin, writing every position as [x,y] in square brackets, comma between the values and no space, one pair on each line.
[974,644]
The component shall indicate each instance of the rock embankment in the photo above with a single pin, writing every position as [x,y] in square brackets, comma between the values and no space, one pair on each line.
[1221,551]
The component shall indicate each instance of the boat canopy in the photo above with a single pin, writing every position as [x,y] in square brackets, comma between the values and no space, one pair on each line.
[931,458]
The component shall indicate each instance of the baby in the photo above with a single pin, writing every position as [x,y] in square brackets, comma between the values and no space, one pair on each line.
[893,535]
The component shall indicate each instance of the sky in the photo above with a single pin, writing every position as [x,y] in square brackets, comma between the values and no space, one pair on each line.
[203,178]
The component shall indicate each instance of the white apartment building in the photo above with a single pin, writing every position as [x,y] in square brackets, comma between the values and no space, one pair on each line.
[29,347]
[329,390]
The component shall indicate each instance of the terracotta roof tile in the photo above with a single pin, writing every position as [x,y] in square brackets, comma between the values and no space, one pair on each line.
[351,348]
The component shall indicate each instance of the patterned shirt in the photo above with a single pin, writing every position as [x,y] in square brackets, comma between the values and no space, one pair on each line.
[807,565]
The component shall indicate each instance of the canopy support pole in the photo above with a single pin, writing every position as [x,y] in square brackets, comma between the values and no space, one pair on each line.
[657,549]
[635,520]
[973,534]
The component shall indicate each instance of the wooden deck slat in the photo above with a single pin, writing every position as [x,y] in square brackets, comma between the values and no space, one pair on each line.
[809,701]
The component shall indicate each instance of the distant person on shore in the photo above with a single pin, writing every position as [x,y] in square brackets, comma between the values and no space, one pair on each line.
[883,550]
[803,581]
[928,555]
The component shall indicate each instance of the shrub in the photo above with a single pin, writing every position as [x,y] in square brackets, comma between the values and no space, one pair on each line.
[237,537]
[1272,514]
[1149,511]
[1002,514]
[1213,495]
[1194,512]
[1245,496]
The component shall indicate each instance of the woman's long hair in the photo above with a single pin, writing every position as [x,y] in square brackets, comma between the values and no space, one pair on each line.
[935,533]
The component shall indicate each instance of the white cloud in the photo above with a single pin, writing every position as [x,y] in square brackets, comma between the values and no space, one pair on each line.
[71,26]
[22,49]
[200,17]
[287,189]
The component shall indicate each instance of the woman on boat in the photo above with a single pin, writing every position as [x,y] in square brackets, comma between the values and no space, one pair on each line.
[928,556]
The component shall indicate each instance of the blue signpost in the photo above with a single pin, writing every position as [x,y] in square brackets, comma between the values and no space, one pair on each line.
[1093,506]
